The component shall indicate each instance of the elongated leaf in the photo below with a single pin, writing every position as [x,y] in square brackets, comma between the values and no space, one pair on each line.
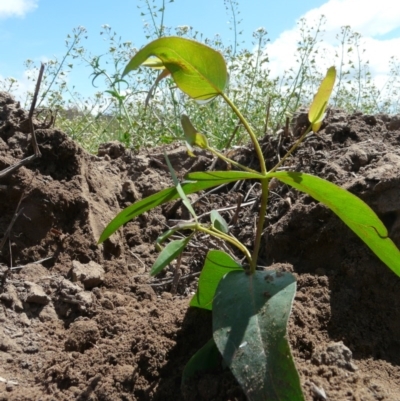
[205,359]
[321,99]
[197,182]
[217,264]
[219,222]
[168,254]
[355,213]
[198,70]
[250,315]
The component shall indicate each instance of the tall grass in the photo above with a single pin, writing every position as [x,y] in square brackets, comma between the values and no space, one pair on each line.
[118,112]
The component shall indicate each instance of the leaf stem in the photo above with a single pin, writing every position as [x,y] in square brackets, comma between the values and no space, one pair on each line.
[230,161]
[227,238]
[250,131]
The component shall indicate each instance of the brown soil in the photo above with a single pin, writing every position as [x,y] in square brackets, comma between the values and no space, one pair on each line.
[88,323]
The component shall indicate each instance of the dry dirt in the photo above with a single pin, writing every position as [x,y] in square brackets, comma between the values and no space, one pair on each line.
[79,321]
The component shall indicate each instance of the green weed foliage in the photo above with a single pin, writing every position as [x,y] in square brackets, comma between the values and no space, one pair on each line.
[117,110]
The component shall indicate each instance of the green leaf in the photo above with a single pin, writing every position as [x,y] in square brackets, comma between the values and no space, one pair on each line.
[196,182]
[250,315]
[355,213]
[168,254]
[198,70]
[321,99]
[219,222]
[207,358]
[116,95]
[217,264]
[154,62]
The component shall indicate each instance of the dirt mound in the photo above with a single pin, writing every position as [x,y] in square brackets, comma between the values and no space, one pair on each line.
[86,322]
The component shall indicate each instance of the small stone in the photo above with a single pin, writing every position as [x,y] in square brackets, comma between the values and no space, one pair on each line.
[145,292]
[83,334]
[107,304]
[166,295]
[90,274]
[48,313]
[68,288]
[85,300]
[10,298]
[31,349]
[394,123]
[24,319]
[7,344]
[36,294]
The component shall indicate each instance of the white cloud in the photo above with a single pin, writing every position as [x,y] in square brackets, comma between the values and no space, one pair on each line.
[16,8]
[370,20]
[22,85]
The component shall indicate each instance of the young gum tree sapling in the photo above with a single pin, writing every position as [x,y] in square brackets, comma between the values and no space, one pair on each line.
[250,308]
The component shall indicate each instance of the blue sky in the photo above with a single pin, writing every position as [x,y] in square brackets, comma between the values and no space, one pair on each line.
[40,30]
[36,29]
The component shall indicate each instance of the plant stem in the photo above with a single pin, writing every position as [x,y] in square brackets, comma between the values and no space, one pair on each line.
[291,150]
[227,238]
[260,224]
[230,161]
[264,186]
[80,31]
[250,131]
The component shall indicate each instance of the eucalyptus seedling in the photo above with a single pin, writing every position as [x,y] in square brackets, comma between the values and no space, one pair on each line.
[250,307]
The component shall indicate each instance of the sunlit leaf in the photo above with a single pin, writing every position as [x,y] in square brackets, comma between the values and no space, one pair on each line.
[321,99]
[197,69]
[215,267]
[355,213]
[154,62]
[195,182]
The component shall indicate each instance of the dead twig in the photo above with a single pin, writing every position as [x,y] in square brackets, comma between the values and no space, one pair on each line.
[235,130]
[267,117]
[35,146]
[177,275]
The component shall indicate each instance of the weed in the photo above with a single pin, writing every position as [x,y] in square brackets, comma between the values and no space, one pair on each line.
[116,111]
